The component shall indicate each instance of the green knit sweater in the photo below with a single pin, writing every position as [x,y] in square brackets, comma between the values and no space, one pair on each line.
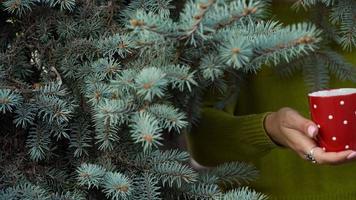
[237,134]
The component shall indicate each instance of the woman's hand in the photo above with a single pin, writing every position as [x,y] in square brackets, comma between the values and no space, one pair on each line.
[288,128]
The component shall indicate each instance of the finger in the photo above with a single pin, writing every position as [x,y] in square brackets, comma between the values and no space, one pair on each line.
[298,141]
[298,122]
[333,158]
[302,144]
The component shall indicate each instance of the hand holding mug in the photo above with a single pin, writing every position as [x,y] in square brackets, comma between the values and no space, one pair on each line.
[288,128]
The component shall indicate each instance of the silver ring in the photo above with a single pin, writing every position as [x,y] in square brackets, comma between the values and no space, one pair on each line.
[310,155]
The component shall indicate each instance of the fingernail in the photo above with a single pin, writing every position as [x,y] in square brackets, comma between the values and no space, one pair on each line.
[351,155]
[311,131]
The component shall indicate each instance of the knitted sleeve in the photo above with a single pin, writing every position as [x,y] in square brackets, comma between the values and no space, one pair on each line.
[222,137]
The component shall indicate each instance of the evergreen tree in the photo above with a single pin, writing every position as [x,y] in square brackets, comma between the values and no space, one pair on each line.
[337,20]
[89,89]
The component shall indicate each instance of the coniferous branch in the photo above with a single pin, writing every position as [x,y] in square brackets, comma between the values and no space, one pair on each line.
[321,19]
[80,138]
[211,68]
[198,16]
[21,7]
[180,77]
[106,135]
[206,187]
[339,11]
[106,68]
[54,109]
[237,10]
[52,89]
[18,7]
[8,100]
[25,115]
[66,28]
[64,4]
[297,43]
[154,6]
[38,142]
[90,175]
[147,160]
[55,180]
[169,117]
[117,44]
[151,22]
[236,52]
[24,191]
[169,156]
[235,173]
[315,75]
[342,14]
[151,82]
[147,187]
[348,30]
[75,72]
[244,193]
[125,81]
[308,3]
[174,173]
[202,191]
[69,196]
[337,65]
[317,78]
[145,129]
[60,131]
[117,186]
[96,92]
[112,112]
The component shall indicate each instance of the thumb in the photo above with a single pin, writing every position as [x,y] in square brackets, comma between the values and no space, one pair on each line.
[303,125]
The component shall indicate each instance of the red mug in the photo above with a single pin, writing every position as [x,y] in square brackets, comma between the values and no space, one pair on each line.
[334,112]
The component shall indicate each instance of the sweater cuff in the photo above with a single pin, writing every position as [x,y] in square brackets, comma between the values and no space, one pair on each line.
[256,134]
